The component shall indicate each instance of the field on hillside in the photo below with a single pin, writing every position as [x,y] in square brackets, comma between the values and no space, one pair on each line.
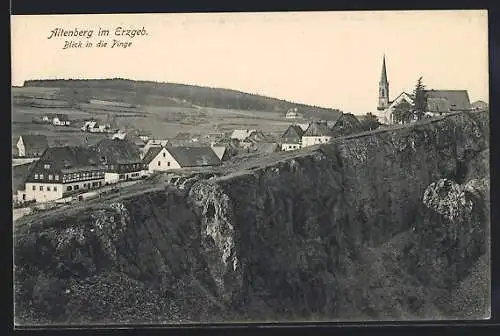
[158,121]
[22,123]
[148,93]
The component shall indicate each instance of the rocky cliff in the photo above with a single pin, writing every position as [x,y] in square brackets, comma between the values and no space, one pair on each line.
[392,224]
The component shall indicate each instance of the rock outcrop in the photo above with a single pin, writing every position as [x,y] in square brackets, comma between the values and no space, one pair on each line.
[381,225]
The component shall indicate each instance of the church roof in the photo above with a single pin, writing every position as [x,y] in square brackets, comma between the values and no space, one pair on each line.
[452,100]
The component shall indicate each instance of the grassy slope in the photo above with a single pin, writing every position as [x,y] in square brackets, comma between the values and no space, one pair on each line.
[164,109]
[152,93]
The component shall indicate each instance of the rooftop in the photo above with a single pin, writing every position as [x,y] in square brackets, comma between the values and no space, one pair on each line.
[118,151]
[194,156]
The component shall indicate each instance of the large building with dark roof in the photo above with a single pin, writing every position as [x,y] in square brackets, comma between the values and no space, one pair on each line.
[445,101]
[62,171]
[166,158]
[292,138]
[121,158]
[318,132]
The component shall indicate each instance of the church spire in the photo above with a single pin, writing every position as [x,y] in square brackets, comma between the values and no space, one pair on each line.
[383,76]
[383,89]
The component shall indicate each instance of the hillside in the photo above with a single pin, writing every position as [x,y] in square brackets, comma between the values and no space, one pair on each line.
[386,225]
[171,94]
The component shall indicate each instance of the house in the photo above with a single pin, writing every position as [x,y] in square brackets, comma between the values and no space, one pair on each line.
[153,143]
[61,120]
[119,135]
[121,159]
[446,101]
[135,139]
[257,136]
[304,127]
[346,124]
[292,138]
[267,147]
[88,125]
[317,133]
[479,105]
[292,114]
[48,117]
[242,134]
[62,171]
[166,158]
[221,152]
[93,126]
[31,145]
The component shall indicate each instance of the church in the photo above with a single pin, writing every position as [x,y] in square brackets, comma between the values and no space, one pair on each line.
[438,101]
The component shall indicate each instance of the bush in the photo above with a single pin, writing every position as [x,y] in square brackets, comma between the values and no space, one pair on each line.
[48,296]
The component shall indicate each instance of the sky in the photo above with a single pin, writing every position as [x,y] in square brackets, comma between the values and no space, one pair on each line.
[328,59]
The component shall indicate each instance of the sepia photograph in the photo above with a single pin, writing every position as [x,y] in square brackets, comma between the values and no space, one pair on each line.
[259,167]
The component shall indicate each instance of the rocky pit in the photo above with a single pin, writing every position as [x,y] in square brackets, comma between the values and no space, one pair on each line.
[387,225]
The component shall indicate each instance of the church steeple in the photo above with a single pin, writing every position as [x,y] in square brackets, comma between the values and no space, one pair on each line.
[383,88]
[383,76]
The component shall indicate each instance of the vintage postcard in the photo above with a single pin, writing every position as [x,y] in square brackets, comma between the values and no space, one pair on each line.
[250,167]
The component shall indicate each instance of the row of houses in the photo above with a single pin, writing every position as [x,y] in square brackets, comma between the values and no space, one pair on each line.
[299,136]
[314,133]
[93,126]
[63,171]
[59,119]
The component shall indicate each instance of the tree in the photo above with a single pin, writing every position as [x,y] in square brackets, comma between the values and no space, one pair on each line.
[370,122]
[420,102]
[402,112]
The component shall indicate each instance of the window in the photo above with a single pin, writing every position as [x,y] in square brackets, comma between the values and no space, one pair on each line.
[36,176]
[164,154]
[56,177]
[168,163]
[76,187]
[41,188]
[159,163]
[68,188]
[48,188]
[46,166]
[55,188]
[50,177]
[34,187]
